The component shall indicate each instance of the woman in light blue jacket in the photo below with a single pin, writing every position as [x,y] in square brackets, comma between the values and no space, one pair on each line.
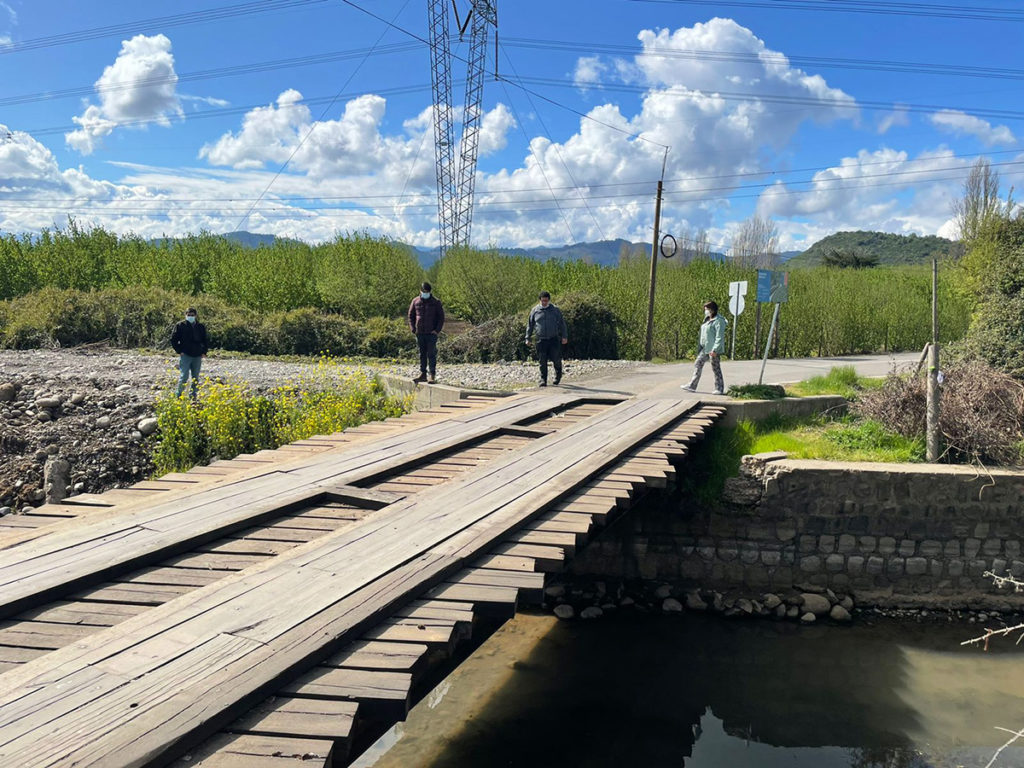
[712,345]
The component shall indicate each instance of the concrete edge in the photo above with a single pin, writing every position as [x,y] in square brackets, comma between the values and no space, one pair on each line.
[430,395]
[758,410]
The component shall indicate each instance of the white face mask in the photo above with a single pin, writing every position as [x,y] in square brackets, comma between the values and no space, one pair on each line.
[190,318]
[424,295]
[707,313]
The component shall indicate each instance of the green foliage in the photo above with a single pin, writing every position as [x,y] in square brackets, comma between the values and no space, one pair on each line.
[840,380]
[364,277]
[489,342]
[228,418]
[889,249]
[756,392]
[848,259]
[594,333]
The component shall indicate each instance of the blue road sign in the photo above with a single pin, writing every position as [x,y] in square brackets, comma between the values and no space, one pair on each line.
[772,287]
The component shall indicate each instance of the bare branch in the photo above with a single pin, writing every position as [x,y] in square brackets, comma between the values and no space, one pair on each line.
[1016,735]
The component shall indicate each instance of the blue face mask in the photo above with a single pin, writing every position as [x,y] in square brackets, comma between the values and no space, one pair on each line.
[190,318]
[424,296]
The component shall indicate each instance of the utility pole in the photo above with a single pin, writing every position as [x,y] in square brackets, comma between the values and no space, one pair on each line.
[932,417]
[649,345]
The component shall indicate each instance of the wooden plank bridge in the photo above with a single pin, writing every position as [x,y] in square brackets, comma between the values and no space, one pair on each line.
[286,606]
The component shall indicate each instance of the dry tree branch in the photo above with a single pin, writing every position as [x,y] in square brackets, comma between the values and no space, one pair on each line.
[1016,735]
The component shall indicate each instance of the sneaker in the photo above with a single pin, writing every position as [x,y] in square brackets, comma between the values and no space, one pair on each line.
[543,383]
[420,378]
[431,379]
[687,387]
[718,392]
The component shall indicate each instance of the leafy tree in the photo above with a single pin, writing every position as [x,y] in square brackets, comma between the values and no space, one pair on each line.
[980,206]
[848,259]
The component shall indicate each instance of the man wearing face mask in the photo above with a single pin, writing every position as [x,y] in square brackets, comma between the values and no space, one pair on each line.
[189,340]
[711,347]
[426,319]
[547,322]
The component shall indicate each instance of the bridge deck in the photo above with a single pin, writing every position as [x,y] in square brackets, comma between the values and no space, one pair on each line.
[330,582]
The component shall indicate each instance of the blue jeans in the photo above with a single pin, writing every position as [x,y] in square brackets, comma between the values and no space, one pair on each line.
[189,365]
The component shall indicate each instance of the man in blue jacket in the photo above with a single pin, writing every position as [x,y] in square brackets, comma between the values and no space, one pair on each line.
[190,342]
[547,322]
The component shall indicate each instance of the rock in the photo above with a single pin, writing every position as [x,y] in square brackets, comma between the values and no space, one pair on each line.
[77,398]
[44,416]
[716,602]
[48,402]
[831,596]
[819,605]
[40,456]
[847,602]
[771,602]
[56,477]
[591,612]
[742,491]
[37,495]
[780,611]
[53,449]
[745,605]
[555,590]
[626,602]
[663,591]
[808,618]
[695,602]
[147,426]
[7,392]
[564,611]
[5,511]
[103,422]
[838,613]
[792,612]
[123,388]
[78,487]
[671,605]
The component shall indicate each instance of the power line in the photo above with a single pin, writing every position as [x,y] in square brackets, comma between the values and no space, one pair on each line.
[760,57]
[932,10]
[163,22]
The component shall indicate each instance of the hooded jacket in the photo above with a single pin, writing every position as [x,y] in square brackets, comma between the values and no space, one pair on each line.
[712,334]
[190,339]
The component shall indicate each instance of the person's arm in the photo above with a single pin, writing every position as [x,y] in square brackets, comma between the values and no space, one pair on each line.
[529,328]
[714,343]
[412,315]
[439,321]
[563,329]
[176,338]
[204,339]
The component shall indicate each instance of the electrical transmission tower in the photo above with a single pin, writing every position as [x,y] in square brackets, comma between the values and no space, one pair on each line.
[456,184]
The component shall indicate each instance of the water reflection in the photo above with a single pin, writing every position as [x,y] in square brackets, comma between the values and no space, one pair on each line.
[705,693]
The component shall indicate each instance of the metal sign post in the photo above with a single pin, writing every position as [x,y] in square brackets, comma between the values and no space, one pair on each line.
[773,288]
[737,291]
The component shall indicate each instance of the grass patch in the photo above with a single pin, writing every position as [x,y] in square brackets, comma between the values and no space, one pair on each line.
[229,418]
[842,439]
[756,392]
[841,380]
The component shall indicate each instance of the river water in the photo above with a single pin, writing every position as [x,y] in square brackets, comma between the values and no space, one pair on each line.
[703,692]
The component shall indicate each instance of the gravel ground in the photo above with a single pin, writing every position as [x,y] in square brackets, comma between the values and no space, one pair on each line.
[88,407]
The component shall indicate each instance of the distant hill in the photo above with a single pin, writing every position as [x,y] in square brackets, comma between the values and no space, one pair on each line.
[253,239]
[890,249]
[603,252]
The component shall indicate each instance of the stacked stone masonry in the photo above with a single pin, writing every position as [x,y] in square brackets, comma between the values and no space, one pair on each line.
[889,534]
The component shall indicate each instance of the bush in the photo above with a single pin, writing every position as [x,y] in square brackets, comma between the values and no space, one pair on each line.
[384,337]
[981,416]
[498,339]
[757,392]
[593,327]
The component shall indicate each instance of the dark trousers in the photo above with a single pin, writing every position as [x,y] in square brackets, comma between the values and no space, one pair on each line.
[428,351]
[549,349]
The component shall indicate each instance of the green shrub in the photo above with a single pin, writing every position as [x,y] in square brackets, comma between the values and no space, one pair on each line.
[384,337]
[593,327]
[494,340]
[757,392]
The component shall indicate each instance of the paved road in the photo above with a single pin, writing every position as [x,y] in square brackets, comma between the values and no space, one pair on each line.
[664,380]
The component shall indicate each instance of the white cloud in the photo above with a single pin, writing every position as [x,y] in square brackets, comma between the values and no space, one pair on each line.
[589,70]
[494,130]
[139,88]
[960,124]
[899,116]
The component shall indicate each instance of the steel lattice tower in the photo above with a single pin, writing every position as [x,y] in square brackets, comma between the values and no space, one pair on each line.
[456,186]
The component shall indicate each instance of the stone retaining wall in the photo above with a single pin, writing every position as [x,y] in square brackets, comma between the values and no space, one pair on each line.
[889,534]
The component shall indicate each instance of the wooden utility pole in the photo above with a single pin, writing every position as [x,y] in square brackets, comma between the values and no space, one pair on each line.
[649,344]
[932,417]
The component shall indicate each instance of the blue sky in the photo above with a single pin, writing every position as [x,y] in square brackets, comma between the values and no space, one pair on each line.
[167,118]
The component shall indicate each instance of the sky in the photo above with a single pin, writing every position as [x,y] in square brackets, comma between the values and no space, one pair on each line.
[313,118]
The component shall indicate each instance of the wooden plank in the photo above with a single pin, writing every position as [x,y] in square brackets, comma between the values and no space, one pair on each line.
[249,751]
[17,655]
[380,655]
[280,534]
[490,600]
[80,612]
[381,694]
[530,586]
[545,559]
[449,610]
[566,541]
[43,634]
[507,563]
[303,718]
[140,594]
[172,576]
[216,561]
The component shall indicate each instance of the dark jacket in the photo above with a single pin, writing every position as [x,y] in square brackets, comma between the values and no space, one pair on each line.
[190,339]
[547,322]
[426,315]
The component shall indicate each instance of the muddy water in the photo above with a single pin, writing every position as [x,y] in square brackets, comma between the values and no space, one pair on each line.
[706,693]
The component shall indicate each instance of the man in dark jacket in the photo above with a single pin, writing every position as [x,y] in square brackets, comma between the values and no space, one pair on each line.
[547,322]
[189,340]
[426,319]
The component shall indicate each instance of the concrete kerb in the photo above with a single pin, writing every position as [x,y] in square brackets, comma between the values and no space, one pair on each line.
[796,407]
[431,395]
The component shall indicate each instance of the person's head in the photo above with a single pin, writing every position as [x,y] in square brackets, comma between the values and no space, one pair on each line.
[191,314]
[710,309]
[425,291]
[545,298]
